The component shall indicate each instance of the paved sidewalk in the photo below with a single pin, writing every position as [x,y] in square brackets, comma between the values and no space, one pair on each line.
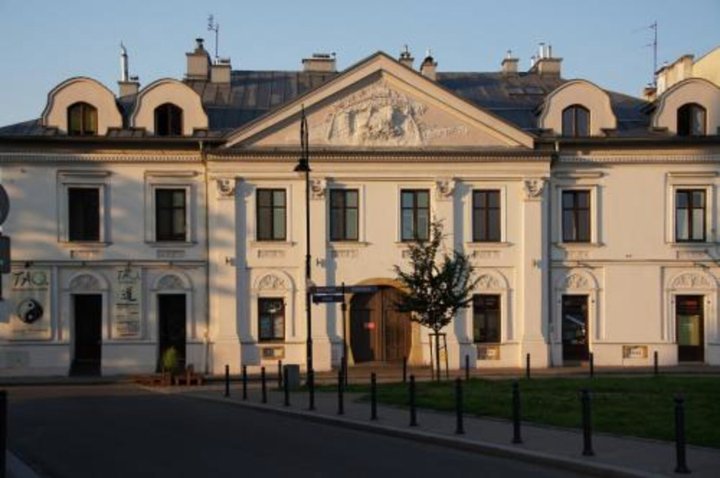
[614,455]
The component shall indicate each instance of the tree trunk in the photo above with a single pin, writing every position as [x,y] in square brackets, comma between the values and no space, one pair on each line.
[437,354]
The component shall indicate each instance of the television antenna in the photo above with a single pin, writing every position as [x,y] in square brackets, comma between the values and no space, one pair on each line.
[213,26]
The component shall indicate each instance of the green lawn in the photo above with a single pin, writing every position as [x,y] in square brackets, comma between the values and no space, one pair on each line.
[639,406]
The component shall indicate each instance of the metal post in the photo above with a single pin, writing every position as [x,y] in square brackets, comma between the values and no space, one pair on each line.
[459,426]
[280,375]
[516,413]
[404,369]
[286,389]
[681,461]
[586,422]
[227,380]
[340,388]
[592,365]
[527,366]
[656,370]
[343,309]
[373,397]
[3,432]
[467,367]
[244,382]
[264,384]
[413,410]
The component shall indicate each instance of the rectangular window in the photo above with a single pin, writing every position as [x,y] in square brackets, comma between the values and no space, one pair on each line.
[170,215]
[486,216]
[343,215]
[271,211]
[83,214]
[576,216]
[486,318]
[690,215]
[415,214]
[271,313]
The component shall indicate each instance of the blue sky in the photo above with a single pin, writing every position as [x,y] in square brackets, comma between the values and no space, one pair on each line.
[606,41]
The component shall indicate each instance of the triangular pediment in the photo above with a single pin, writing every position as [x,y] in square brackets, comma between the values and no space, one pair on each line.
[380,103]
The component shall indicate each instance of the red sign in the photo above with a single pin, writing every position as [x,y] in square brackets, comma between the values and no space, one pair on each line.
[369,325]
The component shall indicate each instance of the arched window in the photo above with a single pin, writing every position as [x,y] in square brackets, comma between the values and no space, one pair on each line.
[82,119]
[168,120]
[691,120]
[576,121]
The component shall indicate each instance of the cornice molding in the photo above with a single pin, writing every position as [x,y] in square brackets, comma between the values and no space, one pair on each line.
[642,159]
[30,158]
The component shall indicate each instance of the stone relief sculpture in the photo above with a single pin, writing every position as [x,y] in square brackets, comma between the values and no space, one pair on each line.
[85,282]
[534,187]
[317,188]
[381,116]
[271,281]
[445,188]
[170,282]
[487,281]
[690,280]
[576,281]
[225,187]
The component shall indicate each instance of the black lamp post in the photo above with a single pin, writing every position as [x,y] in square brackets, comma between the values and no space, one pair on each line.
[304,166]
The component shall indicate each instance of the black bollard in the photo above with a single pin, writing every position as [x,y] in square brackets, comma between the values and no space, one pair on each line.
[516,413]
[656,371]
[373,397]
[244,381]
[527,366]
[404,369]
[459,426]
[413,410]
[467,367]
[280,375]
[340,389]
[592,365]
[264,384]
[3,433]
[586,423]
[681,460]
[227,380]
[311,389]
[344,365]
[286,390]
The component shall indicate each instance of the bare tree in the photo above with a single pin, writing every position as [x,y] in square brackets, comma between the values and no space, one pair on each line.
[436,285]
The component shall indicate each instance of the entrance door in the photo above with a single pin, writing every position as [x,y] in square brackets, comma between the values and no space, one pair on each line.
[378,332]
[575,327]
[171,315]
[88,338]
[690,328]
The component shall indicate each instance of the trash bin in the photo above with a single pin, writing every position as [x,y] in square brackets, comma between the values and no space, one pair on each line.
[291,373]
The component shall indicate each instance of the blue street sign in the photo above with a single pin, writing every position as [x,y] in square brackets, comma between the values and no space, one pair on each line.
[349,289]
[328,298]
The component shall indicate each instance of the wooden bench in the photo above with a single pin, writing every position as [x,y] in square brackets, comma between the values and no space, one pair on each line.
[188,377]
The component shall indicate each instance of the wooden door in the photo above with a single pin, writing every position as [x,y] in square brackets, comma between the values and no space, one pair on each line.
[87,319]
[378,332]
[690,328]
[396,327]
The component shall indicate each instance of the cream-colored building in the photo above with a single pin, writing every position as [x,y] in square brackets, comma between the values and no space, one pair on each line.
[172,215]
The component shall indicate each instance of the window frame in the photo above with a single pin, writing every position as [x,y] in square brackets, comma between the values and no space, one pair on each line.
[95,235]
[690,209]
[573,123]
[486,214]
[186,180]
[173,237]
[576,210]
[174,114]
[280,314]
[499,298]
[272,208]
[343,209]
[415,209]
[85,108]
[686,113]
[67,180]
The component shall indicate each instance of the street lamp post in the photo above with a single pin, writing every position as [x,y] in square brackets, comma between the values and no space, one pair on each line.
[304,166]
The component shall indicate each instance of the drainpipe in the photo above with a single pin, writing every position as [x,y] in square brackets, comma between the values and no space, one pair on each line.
[206,338]
[551,331]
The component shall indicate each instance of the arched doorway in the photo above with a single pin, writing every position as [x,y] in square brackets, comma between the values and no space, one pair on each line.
[378,331]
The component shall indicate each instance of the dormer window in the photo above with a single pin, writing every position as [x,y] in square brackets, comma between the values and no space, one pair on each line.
[575,121]
[82,119]
[168,120]
[691,120]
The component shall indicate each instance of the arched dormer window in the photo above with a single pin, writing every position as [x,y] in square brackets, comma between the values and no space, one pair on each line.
[691,120]
[168,120]
[575,121]
[82,119]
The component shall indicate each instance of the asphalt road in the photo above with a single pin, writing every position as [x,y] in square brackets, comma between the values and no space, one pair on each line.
[123,431]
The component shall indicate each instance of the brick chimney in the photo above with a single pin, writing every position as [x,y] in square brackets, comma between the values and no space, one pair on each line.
[545,64]
[220,71]
[198,62]
[509,64]
[320,62]
[129,87]
[406,58]
[428,68]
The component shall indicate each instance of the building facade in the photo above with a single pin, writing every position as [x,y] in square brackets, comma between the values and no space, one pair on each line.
[172,216]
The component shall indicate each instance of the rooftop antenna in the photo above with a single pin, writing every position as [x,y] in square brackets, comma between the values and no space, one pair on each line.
[123,63]
[654,28]
[213,26]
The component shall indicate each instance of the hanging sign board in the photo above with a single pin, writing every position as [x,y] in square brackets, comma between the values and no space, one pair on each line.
[328,298]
